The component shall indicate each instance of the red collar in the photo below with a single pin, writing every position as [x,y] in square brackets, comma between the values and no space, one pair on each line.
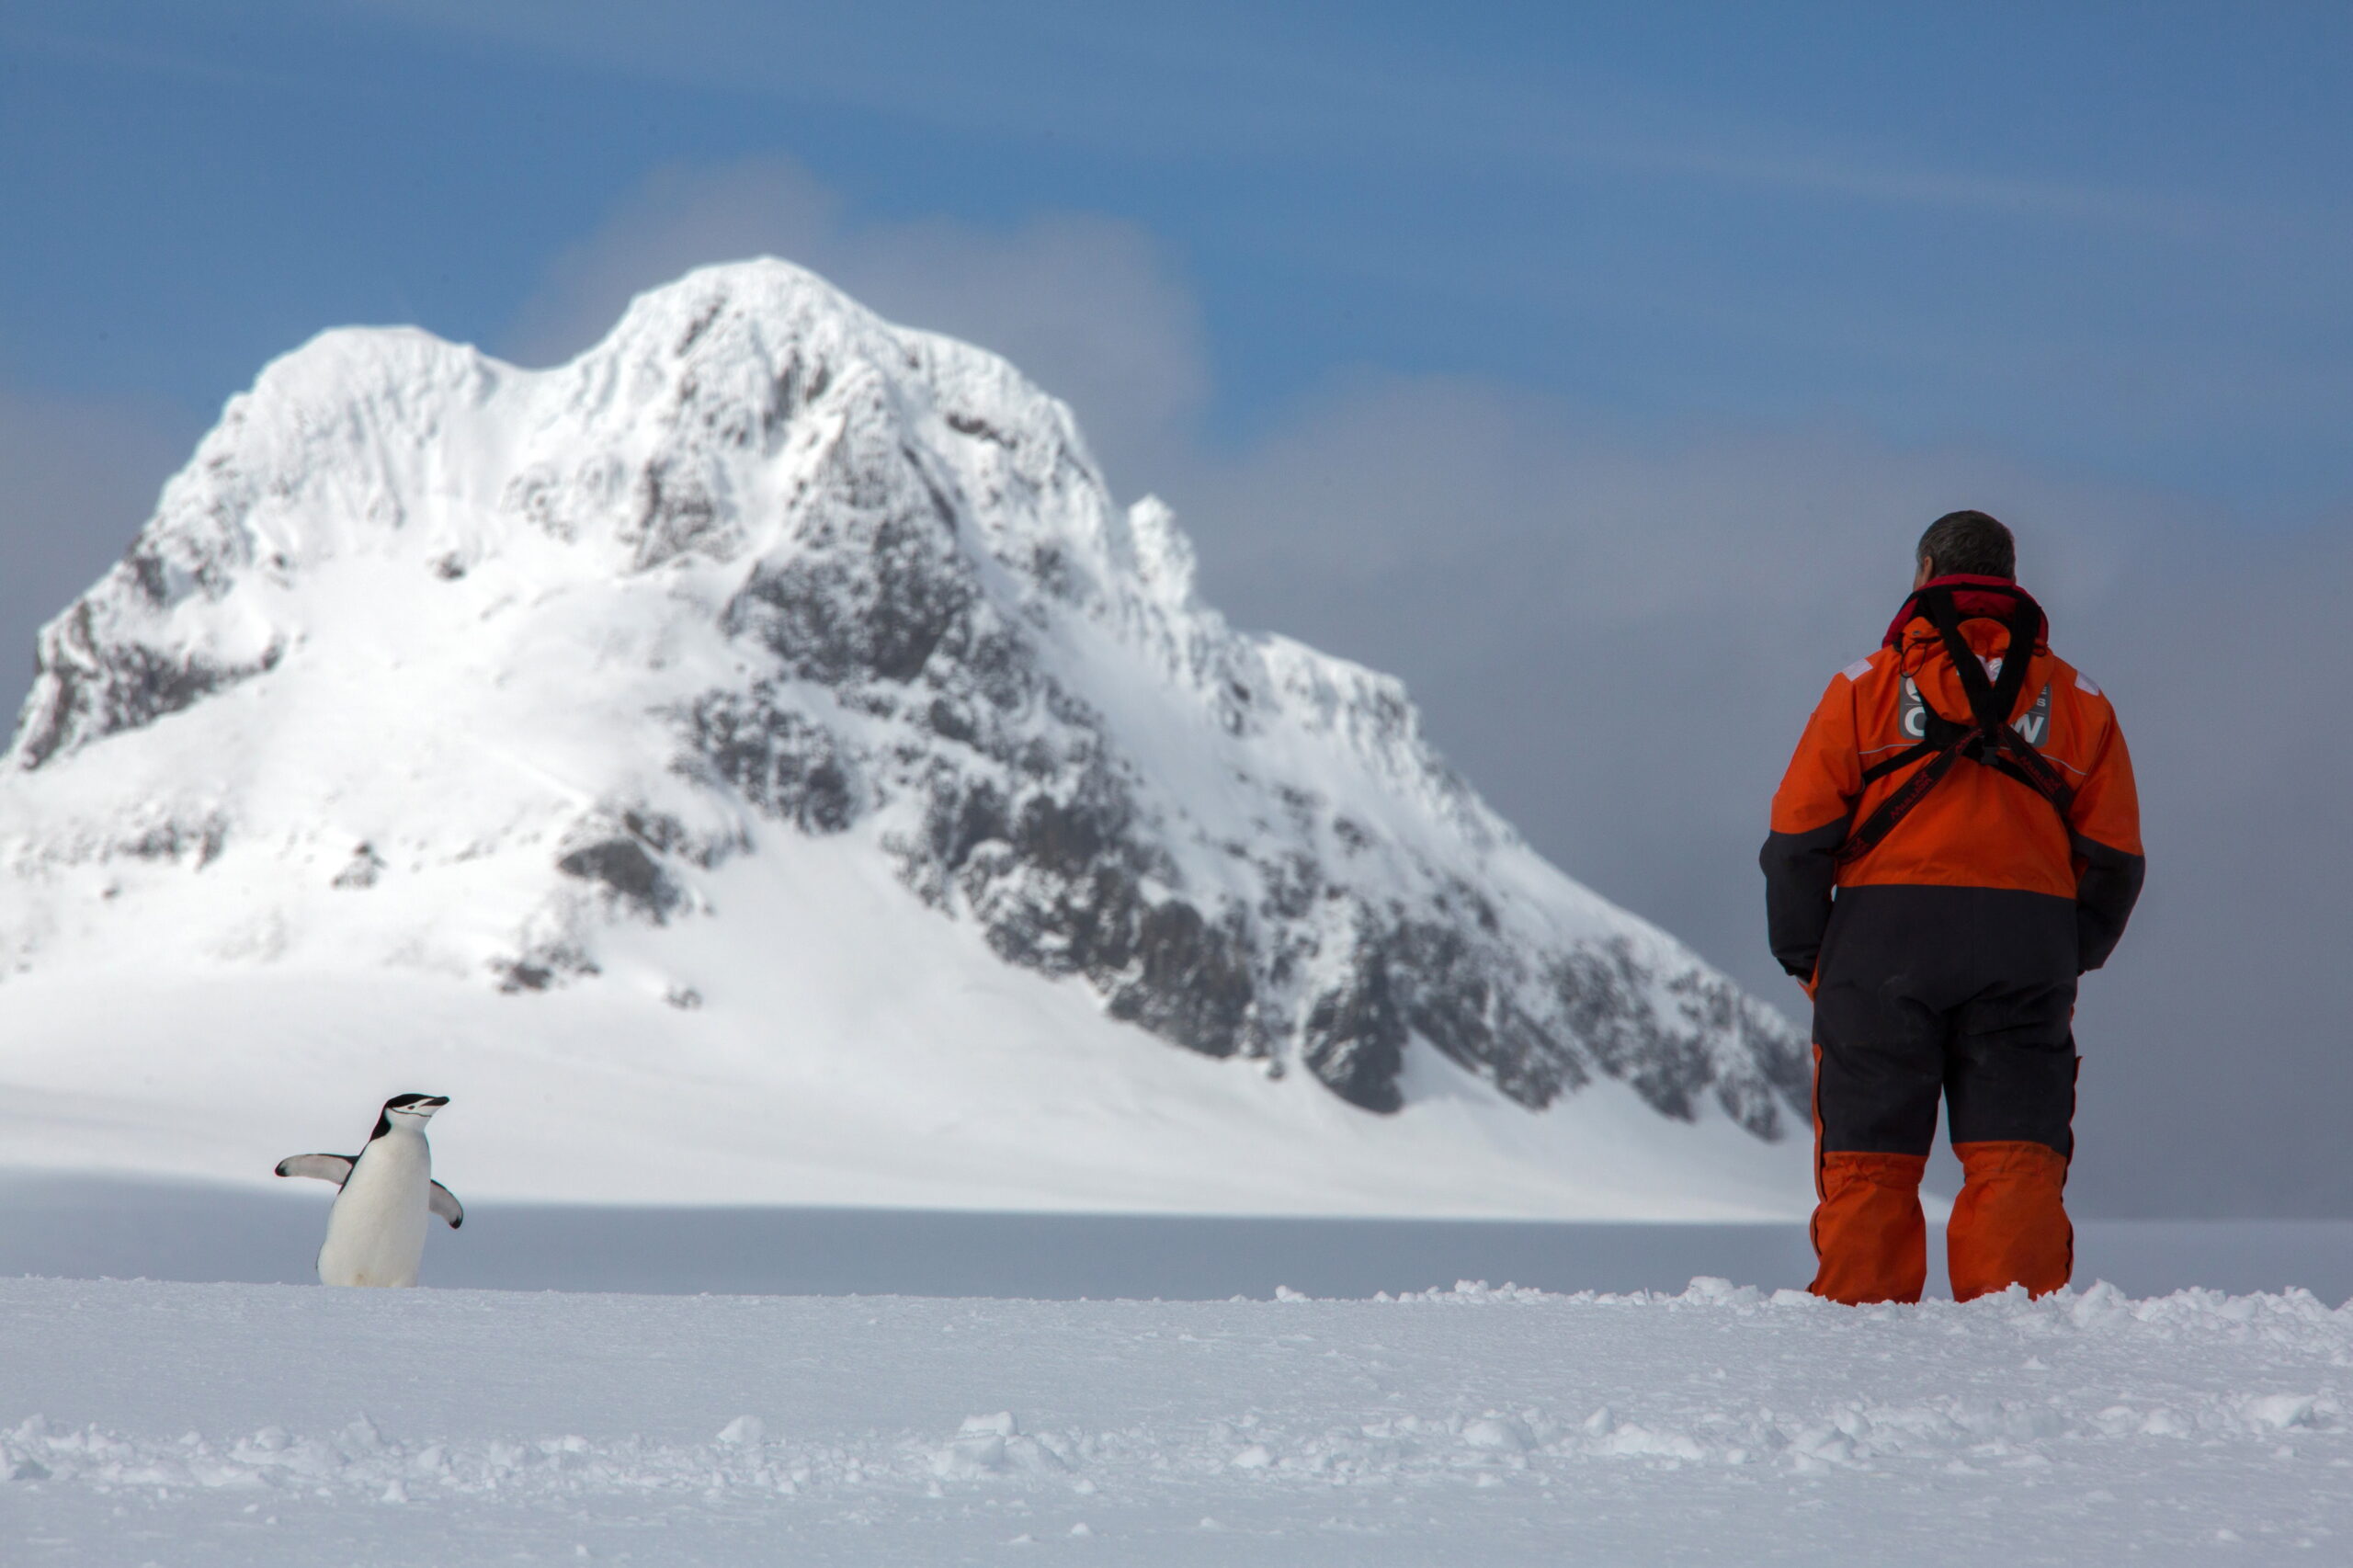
[1993,597]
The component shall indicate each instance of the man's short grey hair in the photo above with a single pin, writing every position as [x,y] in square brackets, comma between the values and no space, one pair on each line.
[1969,544]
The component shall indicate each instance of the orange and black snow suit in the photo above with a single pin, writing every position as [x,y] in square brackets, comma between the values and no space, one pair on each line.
[1956,840]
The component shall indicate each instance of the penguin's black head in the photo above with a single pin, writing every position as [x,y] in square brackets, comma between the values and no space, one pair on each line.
[408,1111]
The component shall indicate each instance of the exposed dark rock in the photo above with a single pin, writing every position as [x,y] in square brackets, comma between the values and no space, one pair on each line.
[524,975]
[786,765]
[1293,882]
[364,866]
[544,969]
[102,687]
[1355,1038]
[833,618]
[631,875]
[1672,1060]
[677,515]
[199,842]
[959,821]
[698,325]
[1786,1071]
[972,424]
[1192,981]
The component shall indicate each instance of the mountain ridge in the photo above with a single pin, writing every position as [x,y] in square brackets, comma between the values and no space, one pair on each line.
[428,660]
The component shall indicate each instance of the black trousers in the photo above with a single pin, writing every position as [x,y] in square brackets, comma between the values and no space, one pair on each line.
[1967,994]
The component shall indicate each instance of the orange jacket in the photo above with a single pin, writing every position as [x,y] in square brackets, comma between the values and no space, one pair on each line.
[1976,828]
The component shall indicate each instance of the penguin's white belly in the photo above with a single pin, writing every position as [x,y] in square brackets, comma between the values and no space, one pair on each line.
[376,1231]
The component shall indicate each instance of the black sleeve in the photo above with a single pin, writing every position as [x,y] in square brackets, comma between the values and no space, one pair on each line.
[2106,890]
[1800,870]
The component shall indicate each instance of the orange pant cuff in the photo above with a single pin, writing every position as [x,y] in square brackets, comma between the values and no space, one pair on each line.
[2009,1224]
[1869,1237]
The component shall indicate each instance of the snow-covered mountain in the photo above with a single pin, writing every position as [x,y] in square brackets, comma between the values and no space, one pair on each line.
[771,686]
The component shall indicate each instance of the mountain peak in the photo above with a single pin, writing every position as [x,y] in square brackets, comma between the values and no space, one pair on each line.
[429,662]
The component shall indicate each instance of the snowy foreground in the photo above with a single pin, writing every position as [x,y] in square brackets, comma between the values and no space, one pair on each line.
[240,1423]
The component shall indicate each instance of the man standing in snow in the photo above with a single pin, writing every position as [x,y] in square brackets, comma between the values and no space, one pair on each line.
[1968,796]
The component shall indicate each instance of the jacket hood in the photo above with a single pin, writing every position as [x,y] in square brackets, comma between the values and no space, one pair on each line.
[1972,596]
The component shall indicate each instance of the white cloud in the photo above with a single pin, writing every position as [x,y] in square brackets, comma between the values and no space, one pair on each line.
[1251,82]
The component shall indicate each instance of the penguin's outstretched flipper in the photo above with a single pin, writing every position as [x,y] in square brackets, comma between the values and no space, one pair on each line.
[336,1168]
[443,1202]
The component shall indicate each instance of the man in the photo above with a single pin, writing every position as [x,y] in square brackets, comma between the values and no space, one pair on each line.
[1968,796]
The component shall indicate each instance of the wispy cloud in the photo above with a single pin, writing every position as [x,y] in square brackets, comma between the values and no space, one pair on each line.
[1161,85]
[1854,174]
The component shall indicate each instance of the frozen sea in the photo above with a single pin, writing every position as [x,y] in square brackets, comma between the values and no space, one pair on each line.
[75,1226]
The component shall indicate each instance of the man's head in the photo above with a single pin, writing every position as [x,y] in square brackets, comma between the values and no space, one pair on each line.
[1965,544]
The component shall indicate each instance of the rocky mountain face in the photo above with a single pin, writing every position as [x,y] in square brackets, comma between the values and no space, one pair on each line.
[426,660]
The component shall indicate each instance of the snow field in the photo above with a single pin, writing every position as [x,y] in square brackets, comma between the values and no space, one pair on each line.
[252,1424]
[855,1057]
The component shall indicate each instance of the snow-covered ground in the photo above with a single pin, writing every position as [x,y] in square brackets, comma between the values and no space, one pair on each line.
[250,1425]
[857,1057]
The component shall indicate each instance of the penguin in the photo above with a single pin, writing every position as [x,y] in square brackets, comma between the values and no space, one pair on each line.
[376,1230]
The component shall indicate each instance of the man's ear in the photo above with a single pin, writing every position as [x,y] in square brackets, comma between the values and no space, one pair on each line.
[1925,570]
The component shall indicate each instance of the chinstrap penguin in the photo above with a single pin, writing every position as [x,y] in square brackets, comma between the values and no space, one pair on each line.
[376,1230]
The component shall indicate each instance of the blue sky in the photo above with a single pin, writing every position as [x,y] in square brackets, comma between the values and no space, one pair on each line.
[1591,367]
[2108,238]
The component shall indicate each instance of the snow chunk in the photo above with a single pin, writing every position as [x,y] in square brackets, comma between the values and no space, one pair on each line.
[1500,1432]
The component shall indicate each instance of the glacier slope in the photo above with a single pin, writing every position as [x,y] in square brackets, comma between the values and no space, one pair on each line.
[851,1057]
[763,738]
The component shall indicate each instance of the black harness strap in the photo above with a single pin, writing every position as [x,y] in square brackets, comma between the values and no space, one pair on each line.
[2002,747]
[1991,740]
[1904,759]
[1896,807]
